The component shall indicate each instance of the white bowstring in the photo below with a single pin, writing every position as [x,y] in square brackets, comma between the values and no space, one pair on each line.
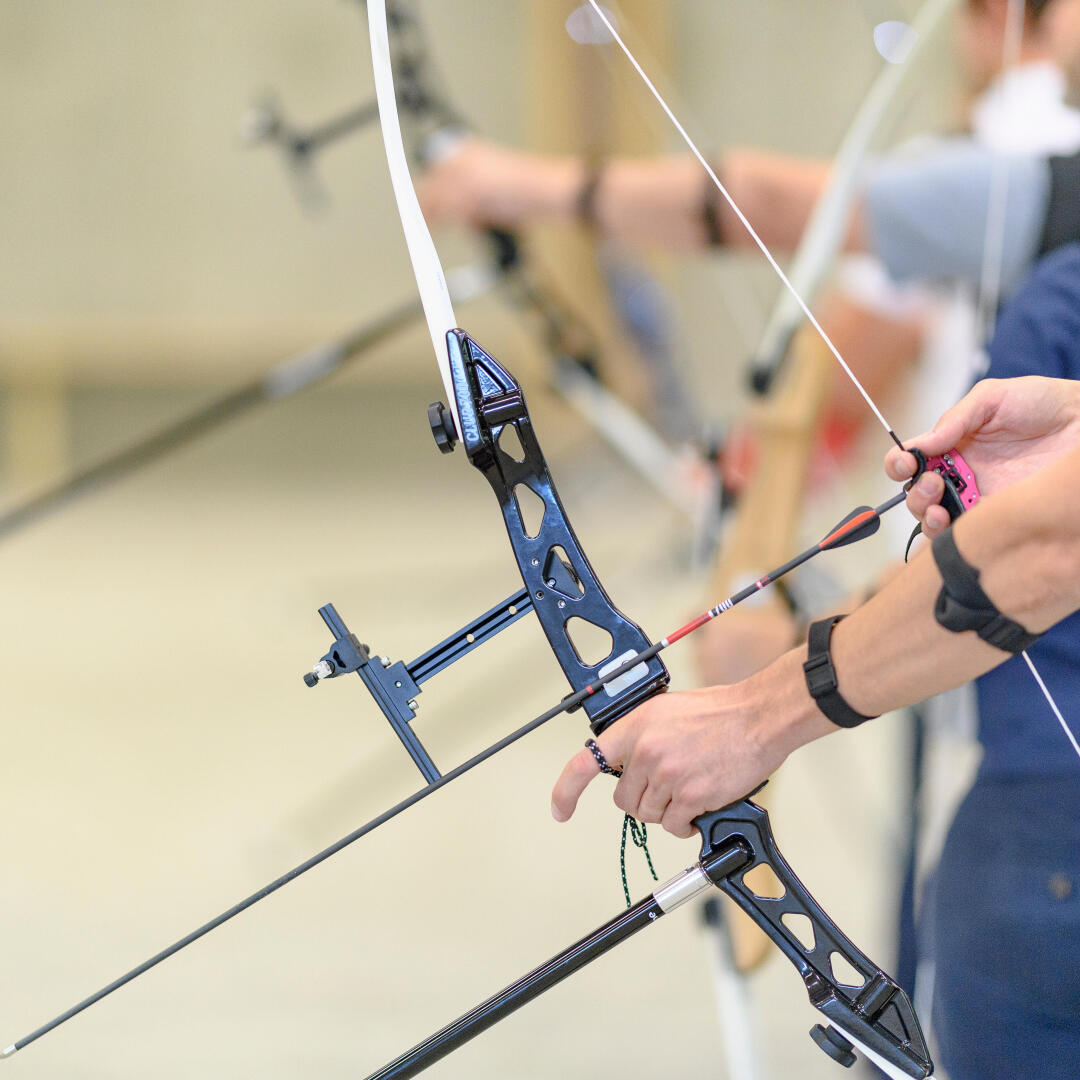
[741,303]
[762,247]
[794,292]
[1051,702]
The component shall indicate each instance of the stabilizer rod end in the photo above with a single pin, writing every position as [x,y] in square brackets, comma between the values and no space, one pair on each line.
[8,1052]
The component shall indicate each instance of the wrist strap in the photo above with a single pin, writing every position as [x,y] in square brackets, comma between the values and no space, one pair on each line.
[821,678]
[710,215]
[586,196]
[962,604]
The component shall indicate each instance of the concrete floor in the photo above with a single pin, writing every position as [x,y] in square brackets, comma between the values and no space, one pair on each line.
[162,759]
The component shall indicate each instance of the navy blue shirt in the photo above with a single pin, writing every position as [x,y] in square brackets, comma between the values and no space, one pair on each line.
[1038,334]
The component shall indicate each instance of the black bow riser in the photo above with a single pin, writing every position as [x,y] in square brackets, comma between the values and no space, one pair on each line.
[555,571]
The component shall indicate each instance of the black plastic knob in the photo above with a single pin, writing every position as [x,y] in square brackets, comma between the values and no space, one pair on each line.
[505,249]
[834,1044]
[311,679]
[441,420]
[761,380]
[711,915]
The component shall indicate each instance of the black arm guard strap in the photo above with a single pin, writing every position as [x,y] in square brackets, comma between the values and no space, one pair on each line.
[962,604]
[821,678]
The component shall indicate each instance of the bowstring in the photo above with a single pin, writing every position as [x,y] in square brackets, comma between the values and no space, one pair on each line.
[742,305]
[1051,702]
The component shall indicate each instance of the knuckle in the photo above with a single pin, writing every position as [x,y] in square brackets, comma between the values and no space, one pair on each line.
[675,825]
[667,771]
[692,796]
[649,749]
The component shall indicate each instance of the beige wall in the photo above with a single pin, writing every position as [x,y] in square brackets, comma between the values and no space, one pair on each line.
[139,237]
[131,210]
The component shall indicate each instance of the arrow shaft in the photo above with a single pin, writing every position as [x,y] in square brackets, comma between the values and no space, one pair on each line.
[568,703]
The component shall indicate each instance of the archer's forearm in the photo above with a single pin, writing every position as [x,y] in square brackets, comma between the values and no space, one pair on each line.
[892,652]
[778,194]
[1025,541]
[660,201]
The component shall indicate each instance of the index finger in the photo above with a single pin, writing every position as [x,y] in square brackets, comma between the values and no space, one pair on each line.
[954,426]
[576,776]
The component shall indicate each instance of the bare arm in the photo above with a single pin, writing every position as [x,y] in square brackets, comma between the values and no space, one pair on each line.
[652,201]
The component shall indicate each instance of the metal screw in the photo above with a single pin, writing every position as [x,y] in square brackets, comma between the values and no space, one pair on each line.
[398,684]
[539,596]
[536,562]
[562,603]
[413,705]
[385,661]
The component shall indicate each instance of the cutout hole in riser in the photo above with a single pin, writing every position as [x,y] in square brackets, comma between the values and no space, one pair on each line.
[843,972]
[762,881]
[531,510]
[510,443]
[802,928]
[592,643]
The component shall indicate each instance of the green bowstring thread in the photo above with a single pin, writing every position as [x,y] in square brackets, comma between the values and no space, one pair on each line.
[637,830]
[640,836]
